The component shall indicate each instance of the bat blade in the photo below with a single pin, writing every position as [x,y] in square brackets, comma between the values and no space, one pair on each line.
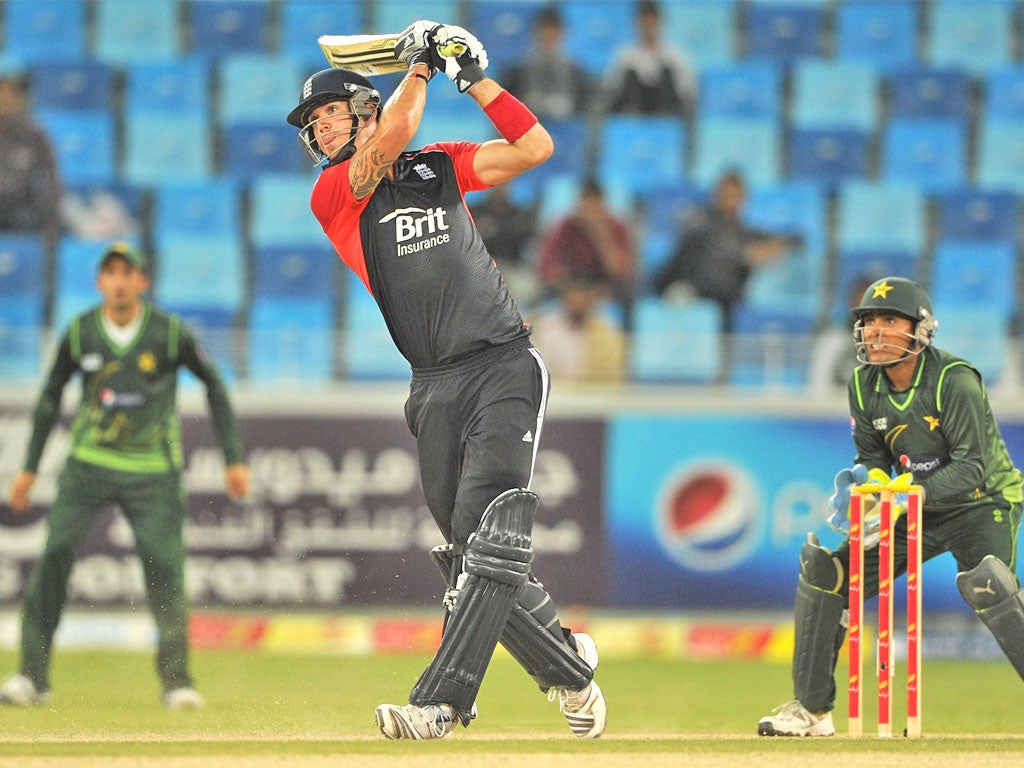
[367,55]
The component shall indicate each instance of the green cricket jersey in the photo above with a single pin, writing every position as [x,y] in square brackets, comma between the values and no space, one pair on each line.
[941,429]
[127,419]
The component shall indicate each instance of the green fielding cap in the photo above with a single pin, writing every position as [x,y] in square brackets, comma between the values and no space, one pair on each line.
[124,251]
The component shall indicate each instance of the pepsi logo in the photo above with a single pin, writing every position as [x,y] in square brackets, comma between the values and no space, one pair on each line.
[708,516]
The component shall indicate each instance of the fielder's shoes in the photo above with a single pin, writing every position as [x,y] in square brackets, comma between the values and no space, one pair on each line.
[792,719]
[585,709]
[20,691]
[183,698]
[435,721]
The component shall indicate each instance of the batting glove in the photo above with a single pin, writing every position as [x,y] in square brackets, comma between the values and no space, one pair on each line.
[463,57]
[416,46]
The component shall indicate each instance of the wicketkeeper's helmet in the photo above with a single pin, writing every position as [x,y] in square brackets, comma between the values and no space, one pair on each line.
[334,85]
[902,296]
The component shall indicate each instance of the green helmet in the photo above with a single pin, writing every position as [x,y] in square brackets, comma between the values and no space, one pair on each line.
[902,296]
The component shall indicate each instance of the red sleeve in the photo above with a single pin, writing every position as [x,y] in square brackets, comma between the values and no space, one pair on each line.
[462,154]
[338,212]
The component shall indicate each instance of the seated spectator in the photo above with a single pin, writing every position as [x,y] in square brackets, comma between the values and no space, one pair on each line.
[509,231]
[652,76]
[590,243]
[577,338]
[30,185]
[717,251]
[550,83]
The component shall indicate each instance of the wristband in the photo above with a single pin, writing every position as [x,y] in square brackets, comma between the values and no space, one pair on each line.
[411,75]
[510,116]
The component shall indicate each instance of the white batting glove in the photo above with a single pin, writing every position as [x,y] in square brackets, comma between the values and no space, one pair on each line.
[462,56]
[416,45]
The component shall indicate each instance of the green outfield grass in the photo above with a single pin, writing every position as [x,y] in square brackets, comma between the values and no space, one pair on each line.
[107,704]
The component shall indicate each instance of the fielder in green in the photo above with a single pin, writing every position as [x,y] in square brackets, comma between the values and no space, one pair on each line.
[125,451]
[920,410]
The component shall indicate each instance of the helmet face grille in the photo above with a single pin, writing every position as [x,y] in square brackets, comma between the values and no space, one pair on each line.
[335,84]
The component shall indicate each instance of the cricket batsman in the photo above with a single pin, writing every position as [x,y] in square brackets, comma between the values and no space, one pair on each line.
[914,409]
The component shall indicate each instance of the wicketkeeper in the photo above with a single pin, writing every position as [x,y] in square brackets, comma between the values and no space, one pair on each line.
[479,389]
[914,409]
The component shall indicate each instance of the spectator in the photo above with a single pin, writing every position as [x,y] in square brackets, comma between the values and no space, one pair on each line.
[650,77]
[582,344]
[30,186]
[552,85]
[592,243]
[509,232]
[717,252]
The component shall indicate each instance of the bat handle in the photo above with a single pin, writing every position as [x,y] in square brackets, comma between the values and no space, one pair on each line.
[452,49]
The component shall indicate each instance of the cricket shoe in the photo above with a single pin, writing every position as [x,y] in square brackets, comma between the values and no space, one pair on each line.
[793,719]
[585,709]
[183,698]
[20,691]
[435,721]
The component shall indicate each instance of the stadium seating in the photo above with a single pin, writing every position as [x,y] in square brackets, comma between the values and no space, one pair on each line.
[751,145]
[395,15]
[929,92]
[367,351]
[197,208]
[69,84]
[86,151]
[882,33]
[295,272]
[828,156]
[291,340]
[167,147]
[22,270]
[602,27]
[704,31]
[255,148]
[979,334]
[133,33]
[220,27]
[44,29]
[214,328]
[506,26]
[279,211]
[741,89]
[784,32]
[965,34]
[200,271]
[929,153]
[648,150]
[168,87]
[771,347]
[304,21]
[976,215]
[975,275]
[20,340]
[676,343]
[664,209]
[1000,159]
[835,94]
[1004,93]
[881,215]
[257,87]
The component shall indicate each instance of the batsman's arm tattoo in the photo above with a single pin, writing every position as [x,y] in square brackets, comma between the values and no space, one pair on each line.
[368,168]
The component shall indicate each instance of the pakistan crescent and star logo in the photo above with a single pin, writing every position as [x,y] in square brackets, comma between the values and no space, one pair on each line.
[882,289]
[147,362]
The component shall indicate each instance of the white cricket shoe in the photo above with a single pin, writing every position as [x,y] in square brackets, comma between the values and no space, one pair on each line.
[20,691]
[183,698]
[408,721]
[793,719]
[585,709]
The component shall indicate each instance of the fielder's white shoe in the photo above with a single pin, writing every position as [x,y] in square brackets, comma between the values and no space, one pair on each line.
[408,721]
[20,691]
[183,698]
[793,719]
[585,709]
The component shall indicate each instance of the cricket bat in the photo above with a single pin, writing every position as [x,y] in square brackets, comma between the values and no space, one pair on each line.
[370,55]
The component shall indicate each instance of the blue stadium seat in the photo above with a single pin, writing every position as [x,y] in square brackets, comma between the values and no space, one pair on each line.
[784,32]
[676,343]
[437,125]
[975,275]
[86,147]
[214,328]
[741,89]
[595,31]
[506,29]
[929,153]
[256,148]
[979,334]
[881,215]
[168,87]
[1004,94]
[212,207]
[965,34]
[291,340]
[570,156]
[43,29]
[280,213]
[22,258]
[751,145]
[795,281]
[304,21]
[664,210]
[828,156]
[132,33]
[771,347]
[71,85]
[220,27]
[167,148]
[200,270]
[76,278]
[835,94]
[21,320]
[367,350]
[257,86]
[882,33]
[976,215]
[705,31]
[395,15]
[295,272]
[1000,158]
[929,92]
[648,150]
[852,266]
